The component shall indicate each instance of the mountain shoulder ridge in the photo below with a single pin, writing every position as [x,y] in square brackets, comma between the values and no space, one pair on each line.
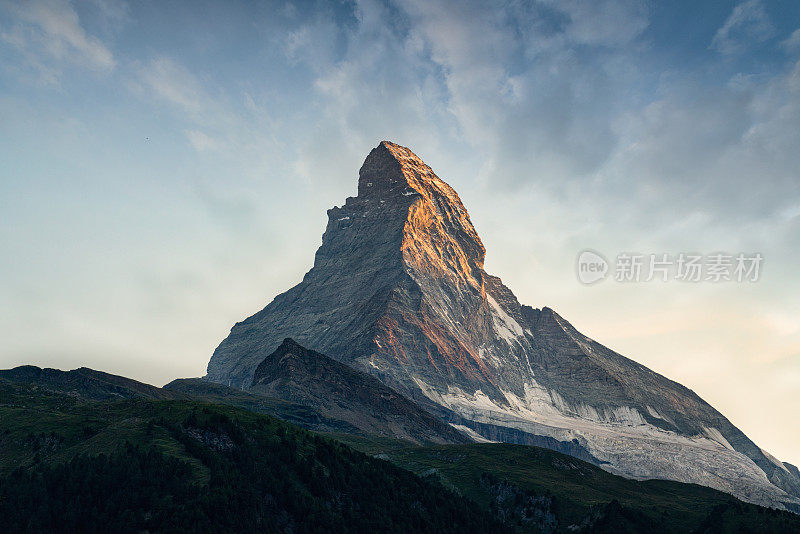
[297,374]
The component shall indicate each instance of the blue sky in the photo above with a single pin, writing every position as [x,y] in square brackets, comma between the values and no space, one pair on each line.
[166,168]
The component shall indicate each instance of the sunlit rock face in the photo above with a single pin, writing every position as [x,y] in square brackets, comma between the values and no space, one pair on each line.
[398,290]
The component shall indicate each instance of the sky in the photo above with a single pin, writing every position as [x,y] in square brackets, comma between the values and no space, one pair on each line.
[166,167]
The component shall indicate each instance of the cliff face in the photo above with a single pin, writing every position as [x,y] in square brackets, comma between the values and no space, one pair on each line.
[335,309]
[398,290]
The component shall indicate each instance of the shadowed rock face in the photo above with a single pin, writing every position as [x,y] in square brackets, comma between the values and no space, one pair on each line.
[305,377]
[398,290]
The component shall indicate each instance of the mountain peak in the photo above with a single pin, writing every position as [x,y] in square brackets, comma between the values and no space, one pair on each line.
[427,221]
[398,291]
[437,225]
[391,170]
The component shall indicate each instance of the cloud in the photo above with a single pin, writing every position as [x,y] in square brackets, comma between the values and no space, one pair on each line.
[609,23]
[171,82]
[113,11]
[792,43]
[747,24]
[378,83]
[534,87]
[52,29]
[530,88]
[229,124]
[202,142]
[314,42]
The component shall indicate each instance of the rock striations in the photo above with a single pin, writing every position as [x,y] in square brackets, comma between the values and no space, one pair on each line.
[398,290]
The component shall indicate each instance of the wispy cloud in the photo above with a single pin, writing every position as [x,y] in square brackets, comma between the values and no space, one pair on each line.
[537,85]
[747,24]
[608,23]
[171,82]
[51,29]
[114,11]
[201,141]
[211,123]
[792,43]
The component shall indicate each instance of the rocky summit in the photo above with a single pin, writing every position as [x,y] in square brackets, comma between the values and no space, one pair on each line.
[398,290]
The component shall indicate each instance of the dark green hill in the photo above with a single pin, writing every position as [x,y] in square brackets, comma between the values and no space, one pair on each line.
[86,383]
[134,464]
[531,488]
[329,398]
[89,384]
[71,465]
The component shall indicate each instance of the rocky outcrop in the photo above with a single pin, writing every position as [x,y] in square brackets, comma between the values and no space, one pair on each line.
[398,290]
[305,377]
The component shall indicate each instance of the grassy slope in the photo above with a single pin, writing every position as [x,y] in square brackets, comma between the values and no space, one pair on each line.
[86,383]
[39,427]
[247,471]
[577,487]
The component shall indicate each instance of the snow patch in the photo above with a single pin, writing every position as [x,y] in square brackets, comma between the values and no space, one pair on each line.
[775,460]
[480,400]
[652,411]
[624,415]
[559,402]
[471,433]
[588,412]
[715,435]
[505,326]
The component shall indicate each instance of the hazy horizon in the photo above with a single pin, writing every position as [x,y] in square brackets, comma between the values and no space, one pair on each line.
[167,170]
